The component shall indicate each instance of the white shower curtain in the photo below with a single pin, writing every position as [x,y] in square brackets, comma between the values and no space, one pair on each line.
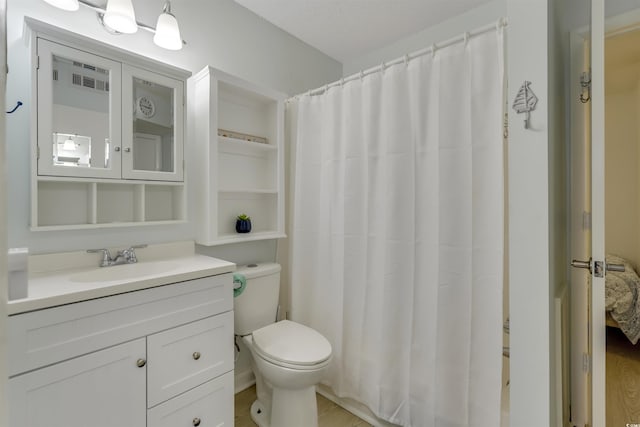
[397,236]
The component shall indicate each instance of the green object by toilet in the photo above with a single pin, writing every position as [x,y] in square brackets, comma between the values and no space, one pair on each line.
[242,281]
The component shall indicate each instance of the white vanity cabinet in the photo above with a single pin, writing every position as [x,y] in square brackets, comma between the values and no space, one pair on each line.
[154,357]
[239,162]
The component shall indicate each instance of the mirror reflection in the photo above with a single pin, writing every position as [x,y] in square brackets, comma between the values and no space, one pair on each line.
[153,126]
[80,114]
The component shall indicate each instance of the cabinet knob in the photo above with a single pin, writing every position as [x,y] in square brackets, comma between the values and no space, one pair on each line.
[127,150]
[141,363]
[116,149]
[196,422]
[196,355]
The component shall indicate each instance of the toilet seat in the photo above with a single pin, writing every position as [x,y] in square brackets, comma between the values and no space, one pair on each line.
[292,345]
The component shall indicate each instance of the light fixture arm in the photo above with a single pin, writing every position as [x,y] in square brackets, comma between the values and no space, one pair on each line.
[100,11]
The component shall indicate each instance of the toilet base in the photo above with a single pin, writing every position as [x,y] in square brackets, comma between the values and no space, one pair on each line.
[260,415]
[294,408]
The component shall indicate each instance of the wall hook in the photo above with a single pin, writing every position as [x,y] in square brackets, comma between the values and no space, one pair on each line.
[18,104]
[525,102]
[585,85]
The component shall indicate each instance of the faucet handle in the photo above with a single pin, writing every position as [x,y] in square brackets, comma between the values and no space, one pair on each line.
[106,256]
[131,253]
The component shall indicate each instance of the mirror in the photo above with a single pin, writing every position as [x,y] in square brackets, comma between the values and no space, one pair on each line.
[80,114]
[153,126]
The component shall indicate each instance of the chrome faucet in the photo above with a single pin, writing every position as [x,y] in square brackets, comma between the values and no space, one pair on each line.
[125,256]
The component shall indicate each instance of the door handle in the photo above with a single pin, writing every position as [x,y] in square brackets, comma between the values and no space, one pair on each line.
[587,264]
[581,264]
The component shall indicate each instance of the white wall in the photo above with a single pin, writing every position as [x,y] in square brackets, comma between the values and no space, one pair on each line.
[468,21]
[219,33]
[3,227]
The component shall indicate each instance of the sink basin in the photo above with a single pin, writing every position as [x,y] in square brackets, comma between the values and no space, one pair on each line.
[124,272]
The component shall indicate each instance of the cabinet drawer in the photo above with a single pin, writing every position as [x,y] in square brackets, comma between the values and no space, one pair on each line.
[210,404]
[184,357]
[51,335]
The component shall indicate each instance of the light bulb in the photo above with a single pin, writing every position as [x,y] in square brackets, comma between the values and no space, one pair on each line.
[120,16]
[167,31]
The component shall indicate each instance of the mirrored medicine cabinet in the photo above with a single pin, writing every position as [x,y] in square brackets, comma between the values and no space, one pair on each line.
[107,134]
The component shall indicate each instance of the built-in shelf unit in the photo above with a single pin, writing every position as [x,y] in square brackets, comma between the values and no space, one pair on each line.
[239,138]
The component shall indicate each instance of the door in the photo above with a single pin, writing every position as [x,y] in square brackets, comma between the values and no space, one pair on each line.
[587,221]
[102,389]
[152,126]
[78,126]
[596,225]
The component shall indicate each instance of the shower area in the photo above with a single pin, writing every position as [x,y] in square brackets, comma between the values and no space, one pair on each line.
[397,234]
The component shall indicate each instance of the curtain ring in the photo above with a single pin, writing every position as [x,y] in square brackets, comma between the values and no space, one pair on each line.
[406,60]
[342,82]
[383,67]
[361,76]
[466,38]
[433,50]
[326,89]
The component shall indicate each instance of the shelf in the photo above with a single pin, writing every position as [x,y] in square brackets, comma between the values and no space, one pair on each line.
[239,176]
[228,191]
[105,225]
[225,239]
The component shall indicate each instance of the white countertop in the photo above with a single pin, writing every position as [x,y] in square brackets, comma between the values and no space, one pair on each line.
[48,287]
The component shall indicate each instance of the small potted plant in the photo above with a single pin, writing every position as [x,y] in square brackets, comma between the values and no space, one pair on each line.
[243,224]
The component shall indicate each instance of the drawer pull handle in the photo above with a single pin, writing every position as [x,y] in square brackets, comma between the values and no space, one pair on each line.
[141,363]
[196,422]
[196,356]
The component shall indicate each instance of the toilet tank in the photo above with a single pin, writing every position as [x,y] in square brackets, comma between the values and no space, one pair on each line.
[257,305]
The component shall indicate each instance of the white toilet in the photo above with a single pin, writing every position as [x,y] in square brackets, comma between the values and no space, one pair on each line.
[288,359]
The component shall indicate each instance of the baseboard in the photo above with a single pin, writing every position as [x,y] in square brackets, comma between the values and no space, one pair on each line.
[243,380]
[357,409]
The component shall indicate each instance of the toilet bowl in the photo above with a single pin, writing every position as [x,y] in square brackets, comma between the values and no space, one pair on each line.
[288,359]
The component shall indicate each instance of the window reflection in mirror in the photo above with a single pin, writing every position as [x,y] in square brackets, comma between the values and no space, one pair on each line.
[80,114]
[153,126]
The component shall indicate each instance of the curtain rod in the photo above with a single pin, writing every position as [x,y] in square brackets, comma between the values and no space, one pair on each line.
[501,23]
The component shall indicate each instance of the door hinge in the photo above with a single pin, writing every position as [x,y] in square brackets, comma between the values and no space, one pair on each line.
[38,152]
[38,62]
[586,363]
[586,220]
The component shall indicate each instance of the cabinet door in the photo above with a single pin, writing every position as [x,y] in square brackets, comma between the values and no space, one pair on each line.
[210,404]
[152,126]
[78,113]
[101,389]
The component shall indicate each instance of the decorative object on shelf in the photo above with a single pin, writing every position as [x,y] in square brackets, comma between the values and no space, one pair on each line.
[242,136]
[525,102]
[118,17]
[146,106]
[243,224]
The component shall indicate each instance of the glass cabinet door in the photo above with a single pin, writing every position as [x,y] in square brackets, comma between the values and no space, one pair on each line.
[152,126]
[78,113]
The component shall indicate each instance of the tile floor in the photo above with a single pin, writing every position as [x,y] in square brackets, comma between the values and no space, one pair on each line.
[329,414]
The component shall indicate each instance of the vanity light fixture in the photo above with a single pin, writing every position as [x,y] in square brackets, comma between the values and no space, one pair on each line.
[167,30]
[69,144]
[119,18]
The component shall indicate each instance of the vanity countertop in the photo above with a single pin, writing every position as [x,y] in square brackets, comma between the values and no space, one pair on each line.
[64,285]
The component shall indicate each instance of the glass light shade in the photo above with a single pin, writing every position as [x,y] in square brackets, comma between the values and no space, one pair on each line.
[69,145]
[70,5]
[120,16]
[167,32]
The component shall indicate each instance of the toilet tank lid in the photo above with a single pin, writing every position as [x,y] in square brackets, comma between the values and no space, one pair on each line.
[292,343]
[250,271]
